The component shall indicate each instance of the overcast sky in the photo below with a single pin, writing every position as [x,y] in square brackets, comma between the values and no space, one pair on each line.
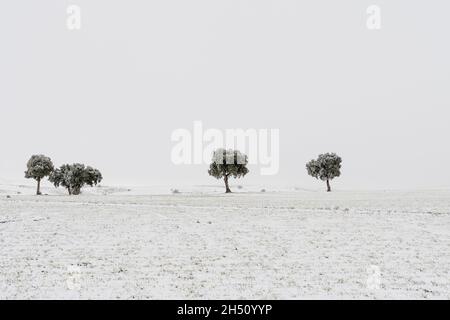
[111,94]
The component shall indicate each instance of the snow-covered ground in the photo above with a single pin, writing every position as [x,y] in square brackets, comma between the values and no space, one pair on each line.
[201,243]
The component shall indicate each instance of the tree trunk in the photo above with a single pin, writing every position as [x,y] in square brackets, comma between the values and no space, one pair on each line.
[70,190]
[328,186]
[225,178]
[38,191]
[76,191]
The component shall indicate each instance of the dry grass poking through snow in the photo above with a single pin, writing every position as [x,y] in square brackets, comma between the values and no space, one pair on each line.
[248,245]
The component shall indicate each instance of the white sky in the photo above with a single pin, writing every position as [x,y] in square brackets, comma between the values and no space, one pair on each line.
[111,94]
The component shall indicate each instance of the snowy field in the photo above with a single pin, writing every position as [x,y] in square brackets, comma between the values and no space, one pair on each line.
[285,244]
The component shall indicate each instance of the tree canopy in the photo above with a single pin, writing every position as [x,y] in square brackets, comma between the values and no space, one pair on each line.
[74,176]
[326,167]
[38,167]
[228,163]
